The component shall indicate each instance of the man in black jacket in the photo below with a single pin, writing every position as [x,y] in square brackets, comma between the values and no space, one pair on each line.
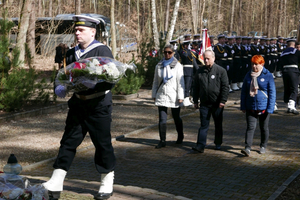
[211,86]
[89,111]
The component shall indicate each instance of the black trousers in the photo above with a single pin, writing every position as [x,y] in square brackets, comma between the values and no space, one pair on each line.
[93,116]
[236,70]
[251,119]
[188,78]
[205,113]
[162,125]
[290,76]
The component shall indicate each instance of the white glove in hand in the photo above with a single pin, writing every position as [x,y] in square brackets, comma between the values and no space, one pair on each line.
[225,54]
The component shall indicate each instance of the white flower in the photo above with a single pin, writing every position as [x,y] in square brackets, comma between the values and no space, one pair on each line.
[112,70]
[99,70]
[15,193]
[95,62]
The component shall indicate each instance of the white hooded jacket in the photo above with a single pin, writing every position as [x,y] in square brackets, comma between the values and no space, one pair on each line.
[167,94]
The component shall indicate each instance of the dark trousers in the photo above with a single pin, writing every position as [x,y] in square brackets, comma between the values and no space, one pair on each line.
[290,76]
[87,116]
[162,125]
[230,71]
[245,68]
[272,66]
[236,70]
[251,119]
[188,77]
[205,114]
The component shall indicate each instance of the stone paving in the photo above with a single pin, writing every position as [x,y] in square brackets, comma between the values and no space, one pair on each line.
[177,172]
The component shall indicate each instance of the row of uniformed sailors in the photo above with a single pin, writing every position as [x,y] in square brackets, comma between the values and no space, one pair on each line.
[235,53]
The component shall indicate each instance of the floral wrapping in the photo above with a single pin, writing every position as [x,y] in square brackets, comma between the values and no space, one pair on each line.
[18,188]
[85,74]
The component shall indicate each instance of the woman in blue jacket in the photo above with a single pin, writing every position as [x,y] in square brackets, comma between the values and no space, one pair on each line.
[258,98]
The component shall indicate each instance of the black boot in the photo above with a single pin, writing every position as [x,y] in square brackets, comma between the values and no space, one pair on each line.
[179,139]
[161,144]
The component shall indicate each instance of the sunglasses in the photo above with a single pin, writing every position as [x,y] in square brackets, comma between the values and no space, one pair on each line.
[168,52]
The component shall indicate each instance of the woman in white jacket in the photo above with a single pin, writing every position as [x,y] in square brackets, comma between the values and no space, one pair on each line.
[168,92]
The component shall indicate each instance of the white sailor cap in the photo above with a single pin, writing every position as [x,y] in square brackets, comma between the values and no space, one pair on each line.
[221,36]
[82,20]
[187,35]
[186,42]
[173,42]
[291,40]
[230,37]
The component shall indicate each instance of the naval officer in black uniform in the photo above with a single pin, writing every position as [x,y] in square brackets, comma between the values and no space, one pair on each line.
[89,111]
[288,62]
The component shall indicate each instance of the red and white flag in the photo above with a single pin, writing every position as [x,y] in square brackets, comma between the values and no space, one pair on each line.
[206,45]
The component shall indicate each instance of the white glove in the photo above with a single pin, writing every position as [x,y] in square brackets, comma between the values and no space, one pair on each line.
[227,67]
[269,62]
[232,51]
[225,54]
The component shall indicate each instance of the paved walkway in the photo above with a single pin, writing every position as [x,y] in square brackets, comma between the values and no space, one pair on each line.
[176,172]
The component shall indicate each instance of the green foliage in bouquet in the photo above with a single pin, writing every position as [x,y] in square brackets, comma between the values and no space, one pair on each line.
[17,85]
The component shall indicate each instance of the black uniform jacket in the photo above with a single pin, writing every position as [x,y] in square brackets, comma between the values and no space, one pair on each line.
[211,85]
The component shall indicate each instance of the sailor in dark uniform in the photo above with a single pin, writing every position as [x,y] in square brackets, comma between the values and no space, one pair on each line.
[273,56]
[280,48]
[267,57]
[212,43]
[89,111]
[187,37]
[289,61]
[245,60]
[220,52]
[190,66]
[254,47]
[237,64]
[176,54]
[230,54]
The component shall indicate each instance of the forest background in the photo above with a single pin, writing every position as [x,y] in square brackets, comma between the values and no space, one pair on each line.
[149,19]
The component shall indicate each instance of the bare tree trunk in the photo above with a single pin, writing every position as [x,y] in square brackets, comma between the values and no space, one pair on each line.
[50,8]
[77,7]
[128,13]
[173,21]
[270,21]
[113,29]
[40,8]
[58,11]
[284,19]
[201,15]
[31,32]
[232,16]
[138,18]
[154,25]
[280,17]
[219,10]
[167,15]
[195,11]
[240,17]
[266,16]
[23,27]
[209,14]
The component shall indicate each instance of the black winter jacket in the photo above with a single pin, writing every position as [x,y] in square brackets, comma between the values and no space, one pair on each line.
[211,85]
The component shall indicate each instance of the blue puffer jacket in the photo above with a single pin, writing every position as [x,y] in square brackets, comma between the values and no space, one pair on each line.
[266,95]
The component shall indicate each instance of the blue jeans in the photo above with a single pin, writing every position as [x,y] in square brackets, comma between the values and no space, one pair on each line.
[205,114]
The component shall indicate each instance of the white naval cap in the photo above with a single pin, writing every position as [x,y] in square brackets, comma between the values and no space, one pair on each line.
[82,20]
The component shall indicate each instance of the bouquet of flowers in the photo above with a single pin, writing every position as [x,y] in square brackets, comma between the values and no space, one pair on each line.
[19,188]
[86,73]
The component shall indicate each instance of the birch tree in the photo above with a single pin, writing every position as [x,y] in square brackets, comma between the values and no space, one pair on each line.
[195,13]
[167,15]
[113,29]
[77,7]
[173,21]
[23,28]
[154,25]
[232,16]
[31,31]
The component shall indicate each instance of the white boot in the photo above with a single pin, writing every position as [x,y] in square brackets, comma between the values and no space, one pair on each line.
[278,74]
[292,108]
[230,90]
[56,182]
[234,86]
[240,85]
[275,108]
[106,186]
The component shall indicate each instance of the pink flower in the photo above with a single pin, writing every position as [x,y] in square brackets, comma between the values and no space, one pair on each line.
[79,65]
